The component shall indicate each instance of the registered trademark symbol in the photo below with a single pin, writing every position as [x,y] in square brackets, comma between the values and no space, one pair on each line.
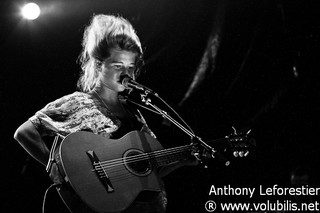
[210,206]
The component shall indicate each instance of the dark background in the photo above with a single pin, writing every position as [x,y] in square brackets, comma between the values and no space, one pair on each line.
[265,78]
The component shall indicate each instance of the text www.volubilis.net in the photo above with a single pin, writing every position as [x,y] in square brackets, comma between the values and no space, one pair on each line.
[270,206]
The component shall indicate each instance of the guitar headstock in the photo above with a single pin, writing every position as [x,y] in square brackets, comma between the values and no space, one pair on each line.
[237,144]
[240,143]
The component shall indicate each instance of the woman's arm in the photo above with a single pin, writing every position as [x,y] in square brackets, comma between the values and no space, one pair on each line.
[30,139]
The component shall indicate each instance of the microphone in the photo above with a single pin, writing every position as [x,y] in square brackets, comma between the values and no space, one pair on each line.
[129,83]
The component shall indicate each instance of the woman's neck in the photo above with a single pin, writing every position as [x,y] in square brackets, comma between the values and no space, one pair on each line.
[107,95]
[110,100]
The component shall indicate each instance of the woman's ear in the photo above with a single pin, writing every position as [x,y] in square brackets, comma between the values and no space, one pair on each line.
[98,65]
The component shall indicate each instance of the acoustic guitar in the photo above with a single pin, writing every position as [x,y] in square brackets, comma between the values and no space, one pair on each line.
[108,174]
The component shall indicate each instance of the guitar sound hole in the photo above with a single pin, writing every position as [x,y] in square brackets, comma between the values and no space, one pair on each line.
[136,163]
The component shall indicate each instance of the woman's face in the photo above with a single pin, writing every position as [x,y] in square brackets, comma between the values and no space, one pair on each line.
[120,63]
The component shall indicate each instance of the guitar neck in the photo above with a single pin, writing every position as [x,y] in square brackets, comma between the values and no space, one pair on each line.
[167,156]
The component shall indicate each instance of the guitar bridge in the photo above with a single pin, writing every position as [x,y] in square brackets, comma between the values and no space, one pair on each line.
[100,172]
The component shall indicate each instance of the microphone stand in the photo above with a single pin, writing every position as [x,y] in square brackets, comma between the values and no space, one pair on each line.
[145,99]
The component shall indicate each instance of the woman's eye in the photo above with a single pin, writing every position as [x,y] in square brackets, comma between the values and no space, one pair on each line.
[117,67]
[120,67]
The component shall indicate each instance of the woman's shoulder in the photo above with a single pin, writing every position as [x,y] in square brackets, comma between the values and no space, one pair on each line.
[71,99]
[76,95]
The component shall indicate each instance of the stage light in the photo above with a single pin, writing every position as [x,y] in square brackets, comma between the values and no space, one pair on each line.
[30,11]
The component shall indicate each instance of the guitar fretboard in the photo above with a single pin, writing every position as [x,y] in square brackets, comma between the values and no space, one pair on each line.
[166,156]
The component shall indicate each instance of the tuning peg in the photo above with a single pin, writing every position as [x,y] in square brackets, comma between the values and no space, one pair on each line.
[235,153]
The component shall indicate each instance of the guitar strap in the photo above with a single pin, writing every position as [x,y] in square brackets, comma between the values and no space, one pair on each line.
[52,151]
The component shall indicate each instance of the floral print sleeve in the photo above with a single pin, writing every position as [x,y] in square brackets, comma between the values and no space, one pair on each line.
[75,112]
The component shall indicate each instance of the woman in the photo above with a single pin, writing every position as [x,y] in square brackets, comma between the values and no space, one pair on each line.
[111,50]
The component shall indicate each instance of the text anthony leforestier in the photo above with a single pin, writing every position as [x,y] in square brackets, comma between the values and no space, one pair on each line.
[275,190]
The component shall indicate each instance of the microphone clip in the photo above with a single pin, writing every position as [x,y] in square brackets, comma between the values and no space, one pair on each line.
[131,84]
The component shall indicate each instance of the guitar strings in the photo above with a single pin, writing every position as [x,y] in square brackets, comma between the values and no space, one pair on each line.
[122,175]
[116,168]
[136,158]
[144,156]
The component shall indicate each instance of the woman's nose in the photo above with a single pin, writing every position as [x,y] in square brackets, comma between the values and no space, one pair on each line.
[128,72]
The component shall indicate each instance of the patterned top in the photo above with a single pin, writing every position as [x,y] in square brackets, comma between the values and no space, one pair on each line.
[82,112]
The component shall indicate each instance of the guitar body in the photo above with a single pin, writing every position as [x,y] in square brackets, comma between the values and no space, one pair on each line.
[107,174]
